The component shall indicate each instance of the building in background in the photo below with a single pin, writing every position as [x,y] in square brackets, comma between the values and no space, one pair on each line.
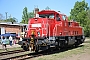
[12,28]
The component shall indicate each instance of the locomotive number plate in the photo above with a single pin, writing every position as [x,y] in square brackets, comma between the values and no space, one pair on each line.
[36,25]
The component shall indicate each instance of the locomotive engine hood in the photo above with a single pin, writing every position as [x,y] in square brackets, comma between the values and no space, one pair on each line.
[37,27]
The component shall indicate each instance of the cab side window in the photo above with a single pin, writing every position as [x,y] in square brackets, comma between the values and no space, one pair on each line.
[57,17]
[64,17]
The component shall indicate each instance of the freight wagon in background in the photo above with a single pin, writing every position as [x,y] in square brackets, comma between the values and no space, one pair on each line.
[51,29]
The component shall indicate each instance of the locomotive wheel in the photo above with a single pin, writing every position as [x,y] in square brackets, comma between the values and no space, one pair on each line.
[48,46]
[82,40]
[76,44]
[25,47]
[58,45]
[37,48]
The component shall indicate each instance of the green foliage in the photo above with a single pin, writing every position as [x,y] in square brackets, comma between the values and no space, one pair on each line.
[26,15]
[30,14]
[69,18]
[87,27]
[80,14]
[11,20]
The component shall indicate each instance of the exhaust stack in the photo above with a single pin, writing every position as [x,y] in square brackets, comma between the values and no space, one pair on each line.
[36,12]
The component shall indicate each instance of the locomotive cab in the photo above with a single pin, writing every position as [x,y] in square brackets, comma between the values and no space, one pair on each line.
[41,28]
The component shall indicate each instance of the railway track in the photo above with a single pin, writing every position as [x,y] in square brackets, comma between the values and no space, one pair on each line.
[20,55]
[27,55]
[14,55]
[10,52]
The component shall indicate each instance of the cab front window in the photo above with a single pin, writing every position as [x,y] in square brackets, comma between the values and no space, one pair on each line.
[51,16]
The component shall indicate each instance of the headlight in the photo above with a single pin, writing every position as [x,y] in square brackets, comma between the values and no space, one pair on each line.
[38,34]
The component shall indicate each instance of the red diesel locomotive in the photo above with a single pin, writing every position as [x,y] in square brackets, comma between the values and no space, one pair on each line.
[51,29]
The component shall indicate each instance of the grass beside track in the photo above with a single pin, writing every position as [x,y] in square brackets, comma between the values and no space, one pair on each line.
[85,47]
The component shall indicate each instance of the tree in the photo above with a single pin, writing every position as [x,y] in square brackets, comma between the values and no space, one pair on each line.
[1,17]
[30,14]
[11,20]
[87,28]
[69,18]
[79,13]
[26,15]
[88,13]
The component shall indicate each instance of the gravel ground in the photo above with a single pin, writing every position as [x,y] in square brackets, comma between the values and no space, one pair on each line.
[82,56]
[8,46]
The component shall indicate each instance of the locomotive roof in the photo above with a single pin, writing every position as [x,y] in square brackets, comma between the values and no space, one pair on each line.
[47,11]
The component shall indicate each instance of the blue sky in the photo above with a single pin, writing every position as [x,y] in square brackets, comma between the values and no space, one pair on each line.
[15,7]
